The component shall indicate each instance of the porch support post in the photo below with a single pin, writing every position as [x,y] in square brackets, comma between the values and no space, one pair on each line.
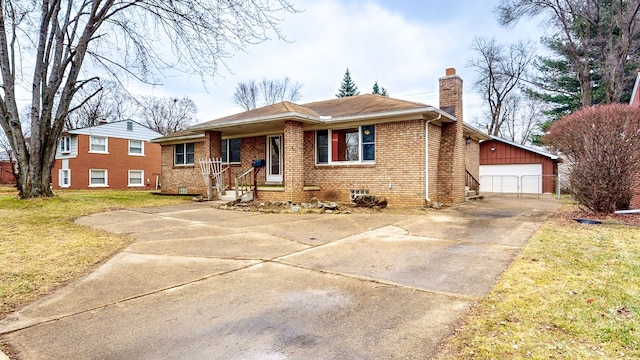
[293,172]
[212,144]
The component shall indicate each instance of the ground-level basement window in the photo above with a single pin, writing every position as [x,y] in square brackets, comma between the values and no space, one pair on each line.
[351,145]
[354,193]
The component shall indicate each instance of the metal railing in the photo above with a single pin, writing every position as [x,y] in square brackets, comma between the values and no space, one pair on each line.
[472,183]
[244,183]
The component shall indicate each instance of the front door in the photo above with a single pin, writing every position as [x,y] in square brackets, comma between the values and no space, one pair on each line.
[274,159]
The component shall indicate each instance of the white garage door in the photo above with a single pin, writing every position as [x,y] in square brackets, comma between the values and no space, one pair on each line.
[511,178]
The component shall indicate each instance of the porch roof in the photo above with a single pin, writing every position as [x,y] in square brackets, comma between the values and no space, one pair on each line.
[352,109]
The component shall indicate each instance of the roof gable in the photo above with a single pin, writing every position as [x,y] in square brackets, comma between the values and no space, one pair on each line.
[118,129]
[526,148]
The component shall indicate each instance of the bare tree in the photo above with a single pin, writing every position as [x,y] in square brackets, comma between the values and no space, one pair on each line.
[604,34]
[167,115]
[500,70]
[249,95]
[101,100]
[275,90]
[524,118]
[246,95]
[53,38]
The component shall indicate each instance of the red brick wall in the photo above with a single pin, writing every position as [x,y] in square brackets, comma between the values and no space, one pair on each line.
[6,175]
[117,163]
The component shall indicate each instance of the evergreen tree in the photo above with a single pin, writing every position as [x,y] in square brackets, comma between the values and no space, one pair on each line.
[379,90]
[348,86]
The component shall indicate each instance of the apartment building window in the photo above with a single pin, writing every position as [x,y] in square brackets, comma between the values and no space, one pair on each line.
[98,178]
[136,178]
[65,144]
[136,147]
[98,144]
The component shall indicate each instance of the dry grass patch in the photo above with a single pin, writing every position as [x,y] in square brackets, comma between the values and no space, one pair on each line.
[41,248]
[573,293]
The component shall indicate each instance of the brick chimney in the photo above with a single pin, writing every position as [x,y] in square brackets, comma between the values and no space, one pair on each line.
[451,168]
[451,93]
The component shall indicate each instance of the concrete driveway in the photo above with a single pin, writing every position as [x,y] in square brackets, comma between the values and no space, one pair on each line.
[201,283]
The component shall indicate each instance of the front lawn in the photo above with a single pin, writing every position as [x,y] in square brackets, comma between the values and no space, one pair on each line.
[41,248]
[573,293]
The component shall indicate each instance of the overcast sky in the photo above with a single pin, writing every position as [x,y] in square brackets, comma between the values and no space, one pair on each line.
[404,45]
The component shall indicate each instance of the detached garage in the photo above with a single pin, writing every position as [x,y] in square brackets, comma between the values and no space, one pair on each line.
[507,167]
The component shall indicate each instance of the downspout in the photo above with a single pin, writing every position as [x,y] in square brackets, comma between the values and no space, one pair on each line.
[426,157]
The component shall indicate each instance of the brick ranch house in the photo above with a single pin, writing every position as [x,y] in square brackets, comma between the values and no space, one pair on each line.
[413,154]
[114,155]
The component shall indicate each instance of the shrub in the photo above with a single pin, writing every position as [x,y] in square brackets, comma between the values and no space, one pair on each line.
[602,146]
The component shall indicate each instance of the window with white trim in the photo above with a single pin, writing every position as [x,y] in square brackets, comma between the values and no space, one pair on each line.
[65,145]
[136,177]
[98,177]
[184,154]
[231,151]
[136,147]
[352,145]
[64,178]
[98,144]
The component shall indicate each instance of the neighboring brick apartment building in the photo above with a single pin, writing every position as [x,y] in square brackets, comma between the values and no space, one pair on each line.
[410,153]
[6,169]
[114,155]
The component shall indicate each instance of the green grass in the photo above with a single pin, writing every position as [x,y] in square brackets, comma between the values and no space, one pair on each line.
[41,248]
[573,293]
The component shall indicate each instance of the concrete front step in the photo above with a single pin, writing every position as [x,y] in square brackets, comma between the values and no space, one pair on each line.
[230,195]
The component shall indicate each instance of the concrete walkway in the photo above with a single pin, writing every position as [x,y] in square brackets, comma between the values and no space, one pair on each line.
[202,283]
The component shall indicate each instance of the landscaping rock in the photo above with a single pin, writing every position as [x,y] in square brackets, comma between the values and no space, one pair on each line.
[370,201]
[331,206]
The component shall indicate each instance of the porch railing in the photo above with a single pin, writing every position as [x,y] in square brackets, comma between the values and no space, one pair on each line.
[472,182]
[244,183]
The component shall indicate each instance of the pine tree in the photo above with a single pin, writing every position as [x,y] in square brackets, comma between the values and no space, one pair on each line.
[376,88]
[379,90]
[348,86]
